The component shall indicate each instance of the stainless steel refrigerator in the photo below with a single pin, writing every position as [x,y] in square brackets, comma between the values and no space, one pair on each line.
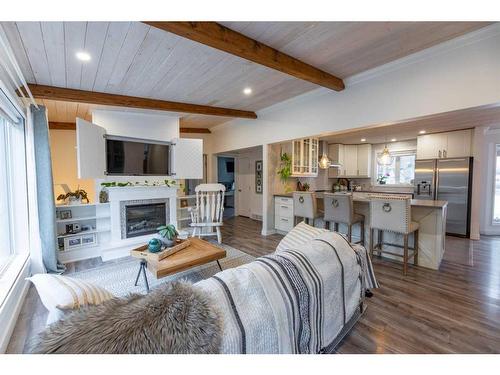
[448,180]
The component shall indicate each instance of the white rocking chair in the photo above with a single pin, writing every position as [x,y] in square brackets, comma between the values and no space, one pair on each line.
[208,211]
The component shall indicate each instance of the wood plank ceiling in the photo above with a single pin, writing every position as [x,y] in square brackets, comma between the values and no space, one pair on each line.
[132,58]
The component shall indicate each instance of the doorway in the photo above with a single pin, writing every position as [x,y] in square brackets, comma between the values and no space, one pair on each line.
[225,176]
[244,185]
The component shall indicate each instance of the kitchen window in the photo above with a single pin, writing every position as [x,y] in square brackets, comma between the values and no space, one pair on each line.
[400,172]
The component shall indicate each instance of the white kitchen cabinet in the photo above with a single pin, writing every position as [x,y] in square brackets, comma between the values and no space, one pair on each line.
[283,213]
[356,160]
[186,155]
[305,157]
[336,155]
[444,145]
[351,160]
[458,144]
[364,159]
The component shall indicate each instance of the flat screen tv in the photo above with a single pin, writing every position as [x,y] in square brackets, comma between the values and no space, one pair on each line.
[131,157]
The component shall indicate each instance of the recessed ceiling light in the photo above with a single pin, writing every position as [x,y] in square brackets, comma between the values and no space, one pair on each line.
[421,132]
[247,91]
[393,140]
[83,56]
[363,139]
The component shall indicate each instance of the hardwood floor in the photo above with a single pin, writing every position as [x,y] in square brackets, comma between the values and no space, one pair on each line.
[453,310]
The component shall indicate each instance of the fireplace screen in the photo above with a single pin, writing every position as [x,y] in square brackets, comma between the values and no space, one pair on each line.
[143,219]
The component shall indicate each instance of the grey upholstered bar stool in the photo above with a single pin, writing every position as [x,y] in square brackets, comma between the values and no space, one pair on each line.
[305,206]
[393,213]
[339,208]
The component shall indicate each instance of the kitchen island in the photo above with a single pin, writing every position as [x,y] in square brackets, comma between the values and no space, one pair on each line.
[430,214]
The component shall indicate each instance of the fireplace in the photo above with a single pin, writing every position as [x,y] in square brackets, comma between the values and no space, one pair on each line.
[142,217]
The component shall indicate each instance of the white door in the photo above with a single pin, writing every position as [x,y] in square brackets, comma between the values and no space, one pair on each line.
[458,144]
[90,149]
[244,184]
[364,160]
[187,158]
[351,160]
[431,146]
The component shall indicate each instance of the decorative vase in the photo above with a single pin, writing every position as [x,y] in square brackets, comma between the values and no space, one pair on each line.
[74,200]
[382,183]
[168,243]
[154,245]
[103,196]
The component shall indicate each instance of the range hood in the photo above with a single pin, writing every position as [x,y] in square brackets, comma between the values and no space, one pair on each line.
[324,161]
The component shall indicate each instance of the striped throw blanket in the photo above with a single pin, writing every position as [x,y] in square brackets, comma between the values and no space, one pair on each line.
[296,300]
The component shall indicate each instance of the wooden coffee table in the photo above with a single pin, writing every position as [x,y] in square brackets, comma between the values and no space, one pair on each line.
[199,252]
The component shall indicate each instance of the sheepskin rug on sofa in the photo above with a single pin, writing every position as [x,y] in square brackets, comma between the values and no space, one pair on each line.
[173,318]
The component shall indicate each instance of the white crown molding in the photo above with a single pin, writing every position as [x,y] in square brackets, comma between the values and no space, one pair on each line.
[458,42]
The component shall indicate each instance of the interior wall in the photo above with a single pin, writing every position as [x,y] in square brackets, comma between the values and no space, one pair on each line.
[457,74]
[64,165]
[137,124]
[223,176]
[484,173]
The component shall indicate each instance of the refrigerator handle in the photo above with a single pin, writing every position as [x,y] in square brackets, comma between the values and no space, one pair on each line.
[436,185]
[418,189]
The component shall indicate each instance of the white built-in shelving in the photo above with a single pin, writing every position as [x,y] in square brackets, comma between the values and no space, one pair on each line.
[93,222]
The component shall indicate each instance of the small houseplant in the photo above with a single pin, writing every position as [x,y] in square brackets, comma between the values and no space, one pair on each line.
[382,179]
[285,170]
[74,197]
[168,234]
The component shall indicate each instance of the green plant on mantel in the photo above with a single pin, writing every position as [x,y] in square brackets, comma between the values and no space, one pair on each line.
[167,183]
[285,170]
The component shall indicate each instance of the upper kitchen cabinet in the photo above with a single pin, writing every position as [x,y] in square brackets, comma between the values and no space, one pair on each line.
[364,160]
[444,145]
[305,157]
[336,155]
[356,160]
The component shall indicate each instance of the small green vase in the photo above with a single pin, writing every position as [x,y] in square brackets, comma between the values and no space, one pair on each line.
[154,245]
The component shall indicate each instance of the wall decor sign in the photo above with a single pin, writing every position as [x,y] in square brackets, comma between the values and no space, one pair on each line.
[259,178]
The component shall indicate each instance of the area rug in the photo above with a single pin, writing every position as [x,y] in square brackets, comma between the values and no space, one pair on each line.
[118,276]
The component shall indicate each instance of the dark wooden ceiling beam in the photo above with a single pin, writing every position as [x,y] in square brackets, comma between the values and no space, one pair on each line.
[195,130]
[220,37]
[100,98]
[55,125]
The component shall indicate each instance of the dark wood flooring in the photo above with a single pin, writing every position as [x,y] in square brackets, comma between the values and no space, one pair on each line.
[453,310]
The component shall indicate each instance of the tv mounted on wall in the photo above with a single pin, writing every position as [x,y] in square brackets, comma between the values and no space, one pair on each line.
[137,157]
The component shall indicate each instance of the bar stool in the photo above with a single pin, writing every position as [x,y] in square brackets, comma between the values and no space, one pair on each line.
[339,208]
[305,206]
[393,213]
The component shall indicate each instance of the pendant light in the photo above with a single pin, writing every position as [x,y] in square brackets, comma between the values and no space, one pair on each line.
[324,161]
[385,158]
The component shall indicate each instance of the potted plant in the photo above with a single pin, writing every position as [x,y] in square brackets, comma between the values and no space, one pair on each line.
[285,170]
[382,179]
[75,197]
[168,234]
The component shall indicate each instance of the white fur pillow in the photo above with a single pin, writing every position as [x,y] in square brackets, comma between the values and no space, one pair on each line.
[59,293]
[299,235]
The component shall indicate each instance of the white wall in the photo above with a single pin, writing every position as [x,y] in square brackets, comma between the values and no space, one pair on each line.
[137,124]
[458,74]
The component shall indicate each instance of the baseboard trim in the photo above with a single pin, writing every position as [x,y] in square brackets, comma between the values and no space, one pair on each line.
[9,312]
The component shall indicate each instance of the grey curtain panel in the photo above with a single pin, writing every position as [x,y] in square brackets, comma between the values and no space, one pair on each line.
[45,190]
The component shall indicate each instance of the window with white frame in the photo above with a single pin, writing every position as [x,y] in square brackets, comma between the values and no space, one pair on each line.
[400,172]
[14,228]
